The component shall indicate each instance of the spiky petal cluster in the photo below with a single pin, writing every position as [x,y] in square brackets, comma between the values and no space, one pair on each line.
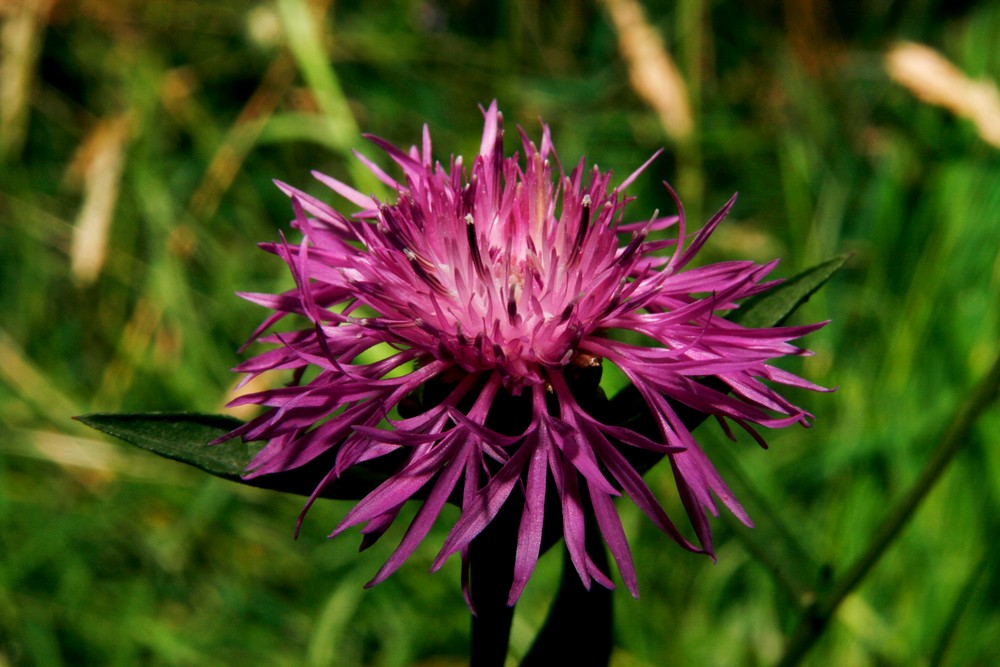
[494,284]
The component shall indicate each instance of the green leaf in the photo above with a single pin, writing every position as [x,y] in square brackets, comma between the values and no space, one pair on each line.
[182,437]
[185,437]
[774,307]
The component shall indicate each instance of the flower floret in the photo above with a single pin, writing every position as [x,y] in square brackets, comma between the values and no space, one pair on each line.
[462,326]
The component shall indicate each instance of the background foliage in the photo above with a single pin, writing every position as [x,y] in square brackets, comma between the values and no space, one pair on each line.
[152,130]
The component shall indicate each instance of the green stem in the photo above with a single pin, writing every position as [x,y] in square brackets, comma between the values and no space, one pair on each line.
[961,604]
[817,617]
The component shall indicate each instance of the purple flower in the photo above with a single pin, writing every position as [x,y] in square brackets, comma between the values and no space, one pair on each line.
[461,326]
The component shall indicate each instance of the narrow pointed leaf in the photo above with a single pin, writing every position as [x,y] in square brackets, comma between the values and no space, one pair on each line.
[774,307]
[185,437]
[181,437]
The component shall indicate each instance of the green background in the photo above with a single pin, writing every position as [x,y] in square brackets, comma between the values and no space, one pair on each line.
[112,556]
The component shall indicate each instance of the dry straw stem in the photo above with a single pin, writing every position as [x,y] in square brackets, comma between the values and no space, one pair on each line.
[21,27]
[242,136]
[28,382]
[89,461]
[98,164]
[652,72]
[136,346]
[929,76]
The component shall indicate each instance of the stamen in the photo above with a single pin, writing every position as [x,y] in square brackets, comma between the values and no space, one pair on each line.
[421,267]
[420,259]
[581,231]
[637,239]
[470,234]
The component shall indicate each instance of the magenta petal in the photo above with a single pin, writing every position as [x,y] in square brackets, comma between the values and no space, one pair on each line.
[422,523]
[614,535]
[572,514]
[485,506]
[344,190]
[396,490]
[639,492]
[529,534]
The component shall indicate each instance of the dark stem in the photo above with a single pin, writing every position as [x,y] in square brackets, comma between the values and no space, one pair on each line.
[578,628]
[491,562]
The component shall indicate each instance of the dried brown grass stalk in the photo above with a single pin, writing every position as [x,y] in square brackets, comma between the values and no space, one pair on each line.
[98,165]
[928,75]
[21,26]
[652,72]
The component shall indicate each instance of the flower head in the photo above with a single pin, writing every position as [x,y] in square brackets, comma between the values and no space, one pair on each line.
[463,327]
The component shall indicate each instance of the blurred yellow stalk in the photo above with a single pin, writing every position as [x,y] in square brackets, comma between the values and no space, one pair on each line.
[21,27]
[98,164]
[652,72]
[20,373]
[929,76]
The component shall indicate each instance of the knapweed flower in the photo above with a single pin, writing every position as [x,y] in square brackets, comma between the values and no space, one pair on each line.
[458,327]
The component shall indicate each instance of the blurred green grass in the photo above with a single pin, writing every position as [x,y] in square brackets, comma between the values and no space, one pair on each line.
[109,556]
